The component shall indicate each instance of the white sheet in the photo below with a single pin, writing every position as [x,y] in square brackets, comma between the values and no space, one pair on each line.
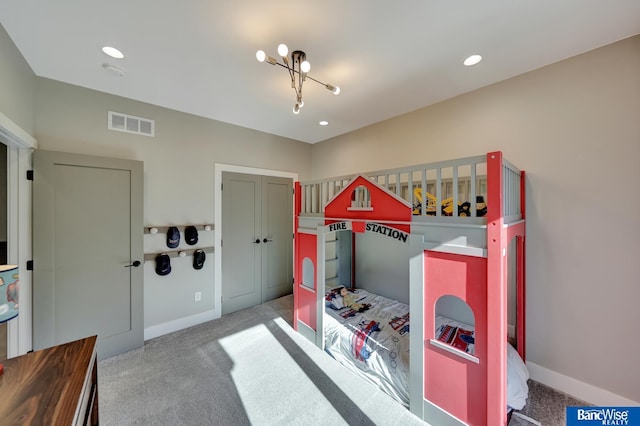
[384,354]
[384,357]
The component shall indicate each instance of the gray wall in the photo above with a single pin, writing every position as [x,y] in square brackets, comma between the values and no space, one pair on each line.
[382,265]
[17,85]
[574,127]
[178,175]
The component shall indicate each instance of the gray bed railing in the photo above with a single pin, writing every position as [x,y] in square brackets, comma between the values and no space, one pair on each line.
[434,190]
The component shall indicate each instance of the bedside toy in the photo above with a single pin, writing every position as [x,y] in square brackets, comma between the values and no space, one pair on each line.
[349,300]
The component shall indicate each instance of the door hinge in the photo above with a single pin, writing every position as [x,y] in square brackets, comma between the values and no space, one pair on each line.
[29,174]
[220,243]
[29,265]
[222,187]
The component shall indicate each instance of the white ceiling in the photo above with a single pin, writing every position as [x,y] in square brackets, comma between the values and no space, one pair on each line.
[388,57]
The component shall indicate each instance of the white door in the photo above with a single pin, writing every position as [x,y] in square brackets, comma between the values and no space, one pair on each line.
[87,249]
[257,239]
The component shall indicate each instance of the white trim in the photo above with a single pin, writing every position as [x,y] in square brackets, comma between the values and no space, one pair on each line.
[576,388]
[307,231]
[178,324]
[19,153]
[416,311]
[307,332]
[452,249]
[12,134]
[454,351]
[439,416]
[217,209]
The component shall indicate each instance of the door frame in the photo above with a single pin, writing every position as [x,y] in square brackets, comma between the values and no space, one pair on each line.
[20,146]
[218,169]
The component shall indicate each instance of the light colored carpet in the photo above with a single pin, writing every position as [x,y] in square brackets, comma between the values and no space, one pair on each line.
[248,367]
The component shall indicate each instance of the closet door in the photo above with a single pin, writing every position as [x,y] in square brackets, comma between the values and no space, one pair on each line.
[277,237]
[257,239]
[241,239]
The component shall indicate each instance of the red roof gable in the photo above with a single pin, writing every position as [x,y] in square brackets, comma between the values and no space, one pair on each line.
[365,200]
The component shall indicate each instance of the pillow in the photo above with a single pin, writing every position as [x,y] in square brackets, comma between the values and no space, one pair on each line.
[335,303]
[517,376]
[333,299]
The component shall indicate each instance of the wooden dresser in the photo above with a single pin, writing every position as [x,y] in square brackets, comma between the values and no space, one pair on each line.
[54,386]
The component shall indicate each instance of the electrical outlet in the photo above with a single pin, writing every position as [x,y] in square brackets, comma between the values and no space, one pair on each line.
[198,296]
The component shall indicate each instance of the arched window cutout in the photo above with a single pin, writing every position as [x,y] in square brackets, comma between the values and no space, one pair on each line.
[308,273]
[454,327]
[360,199]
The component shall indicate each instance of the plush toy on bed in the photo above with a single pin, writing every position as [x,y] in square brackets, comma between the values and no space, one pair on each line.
[349,300]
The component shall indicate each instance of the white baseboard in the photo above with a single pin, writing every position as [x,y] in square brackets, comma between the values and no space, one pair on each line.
[578,389]
[179,324]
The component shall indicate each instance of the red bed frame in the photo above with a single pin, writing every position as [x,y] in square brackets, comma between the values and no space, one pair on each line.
[445,387]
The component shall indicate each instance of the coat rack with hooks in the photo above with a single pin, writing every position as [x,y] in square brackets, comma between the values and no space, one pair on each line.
[181,228]
[176,253]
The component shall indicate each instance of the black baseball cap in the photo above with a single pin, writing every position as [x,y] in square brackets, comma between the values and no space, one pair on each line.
[163,264]
[191,235]
[198,259]
[173,237]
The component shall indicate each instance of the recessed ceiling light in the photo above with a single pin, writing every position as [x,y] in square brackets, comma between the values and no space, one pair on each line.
[113,52]
[323,123]
[472,60]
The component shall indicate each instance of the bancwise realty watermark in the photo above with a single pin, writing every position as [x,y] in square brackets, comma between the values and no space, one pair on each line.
[603,416]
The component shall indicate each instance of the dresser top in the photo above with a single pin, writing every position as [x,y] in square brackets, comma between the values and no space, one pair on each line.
[46,386]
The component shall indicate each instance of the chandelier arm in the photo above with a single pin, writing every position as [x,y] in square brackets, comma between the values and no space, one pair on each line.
[317,81]
[291,73]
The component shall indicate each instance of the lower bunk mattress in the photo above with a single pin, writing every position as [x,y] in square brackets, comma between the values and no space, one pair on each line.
[372,340]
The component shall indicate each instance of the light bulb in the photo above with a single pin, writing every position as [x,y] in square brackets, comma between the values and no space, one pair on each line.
[305,66]
[334,89]
[296,109]
[283,50]
[300,103]
[261,56]
[472,60]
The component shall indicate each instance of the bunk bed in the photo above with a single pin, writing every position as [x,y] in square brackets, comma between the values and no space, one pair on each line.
[432,283]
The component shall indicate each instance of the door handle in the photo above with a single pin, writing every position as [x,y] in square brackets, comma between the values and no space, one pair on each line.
[135,264]
[266,241]
[257,241]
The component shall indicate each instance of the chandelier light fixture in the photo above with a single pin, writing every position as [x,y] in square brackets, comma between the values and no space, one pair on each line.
[298,68]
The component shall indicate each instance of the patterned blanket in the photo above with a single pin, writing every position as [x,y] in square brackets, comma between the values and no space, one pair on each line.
[375,341]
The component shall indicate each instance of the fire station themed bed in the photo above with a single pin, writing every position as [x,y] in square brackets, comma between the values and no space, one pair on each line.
[422,299]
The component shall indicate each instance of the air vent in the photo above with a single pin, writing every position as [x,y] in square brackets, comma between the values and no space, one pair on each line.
[131,124]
